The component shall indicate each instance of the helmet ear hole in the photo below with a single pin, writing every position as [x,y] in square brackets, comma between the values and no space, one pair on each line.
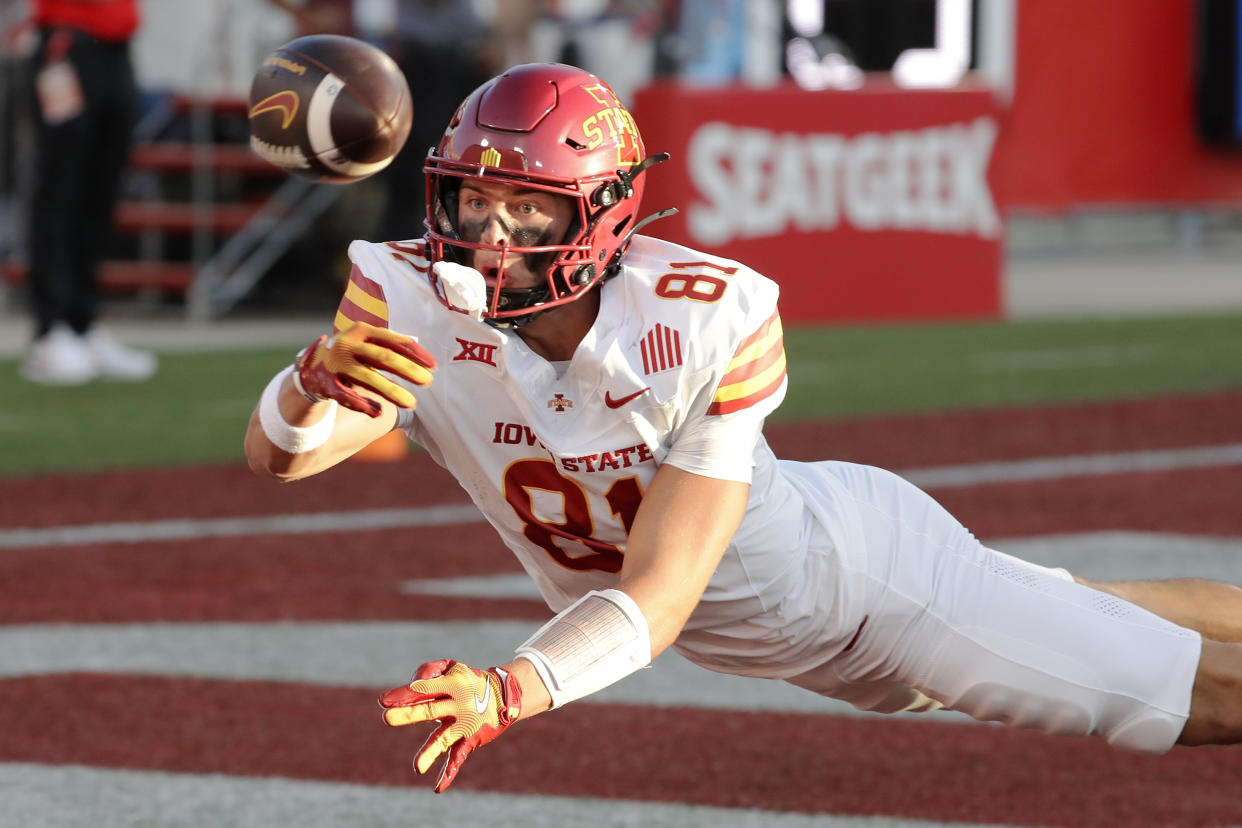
[609,194]
[605,195]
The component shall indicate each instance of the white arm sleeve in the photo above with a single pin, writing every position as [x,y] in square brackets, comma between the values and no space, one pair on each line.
[597,641]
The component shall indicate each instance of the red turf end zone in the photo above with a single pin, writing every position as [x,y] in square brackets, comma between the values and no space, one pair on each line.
[781,762]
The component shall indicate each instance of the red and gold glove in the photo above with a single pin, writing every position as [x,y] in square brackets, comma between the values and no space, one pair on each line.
[472,706]
[331,367]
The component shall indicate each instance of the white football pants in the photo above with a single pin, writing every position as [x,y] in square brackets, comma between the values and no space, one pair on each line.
[950,623]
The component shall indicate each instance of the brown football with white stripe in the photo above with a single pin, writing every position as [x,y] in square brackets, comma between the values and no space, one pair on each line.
[330,108]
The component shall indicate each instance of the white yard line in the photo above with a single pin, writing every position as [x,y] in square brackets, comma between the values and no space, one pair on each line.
[361,653]
[79,797]
[370,654]
[934,477]
[373,655]
[191,529]
[1076,465]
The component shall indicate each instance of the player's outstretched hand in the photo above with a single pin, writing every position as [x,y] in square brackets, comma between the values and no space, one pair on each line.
[472,706]
[331,367]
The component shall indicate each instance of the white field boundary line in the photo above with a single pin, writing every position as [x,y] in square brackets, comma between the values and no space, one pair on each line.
[1078,465]
[73,796]
[932,477]
[194,529]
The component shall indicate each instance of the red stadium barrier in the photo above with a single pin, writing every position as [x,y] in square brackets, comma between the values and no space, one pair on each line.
[870,204]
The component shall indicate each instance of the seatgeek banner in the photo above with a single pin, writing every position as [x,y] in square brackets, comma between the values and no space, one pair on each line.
[872,204]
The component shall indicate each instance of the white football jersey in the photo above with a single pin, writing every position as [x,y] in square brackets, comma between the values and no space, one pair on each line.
[684,361]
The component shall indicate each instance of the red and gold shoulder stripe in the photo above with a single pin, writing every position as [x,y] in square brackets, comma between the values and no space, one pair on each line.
[363,302]
[413,253]
[756,370]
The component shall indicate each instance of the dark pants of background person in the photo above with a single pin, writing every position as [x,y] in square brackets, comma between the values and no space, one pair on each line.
[78,169]
[440,78]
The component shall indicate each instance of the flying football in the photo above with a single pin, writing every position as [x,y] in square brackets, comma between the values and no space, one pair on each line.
[330,108]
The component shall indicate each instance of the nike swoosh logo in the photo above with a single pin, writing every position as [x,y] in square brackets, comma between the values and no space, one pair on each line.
[285,102]
[480,705]
[611,403]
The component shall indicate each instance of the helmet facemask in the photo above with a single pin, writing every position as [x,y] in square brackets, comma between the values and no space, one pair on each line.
[563,264]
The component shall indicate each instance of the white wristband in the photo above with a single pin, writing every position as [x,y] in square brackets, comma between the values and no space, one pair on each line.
[289,438]
[599,640]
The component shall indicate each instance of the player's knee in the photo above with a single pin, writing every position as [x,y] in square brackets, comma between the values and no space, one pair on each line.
[1153,731]
[1075,711]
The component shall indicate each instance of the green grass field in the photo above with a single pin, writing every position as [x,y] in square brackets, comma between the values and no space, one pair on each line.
[195,411]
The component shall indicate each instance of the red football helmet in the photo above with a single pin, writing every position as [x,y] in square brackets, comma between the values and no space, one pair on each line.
[554,128]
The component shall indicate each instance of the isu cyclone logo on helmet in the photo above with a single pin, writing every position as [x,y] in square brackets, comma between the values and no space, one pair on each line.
[552,128]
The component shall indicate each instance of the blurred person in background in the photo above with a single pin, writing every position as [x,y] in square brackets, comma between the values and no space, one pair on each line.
[319,16]
[445,49]
[84,103]
[727,41]
[611,38]
[357,209]
[12,27]
[442,47]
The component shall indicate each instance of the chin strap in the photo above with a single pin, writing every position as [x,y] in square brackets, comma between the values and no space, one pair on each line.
[533,296]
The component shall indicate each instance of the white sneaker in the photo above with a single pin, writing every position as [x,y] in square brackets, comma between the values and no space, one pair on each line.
[59,357]
[112,360]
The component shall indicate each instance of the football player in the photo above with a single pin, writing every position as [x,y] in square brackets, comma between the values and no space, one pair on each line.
[601,395]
